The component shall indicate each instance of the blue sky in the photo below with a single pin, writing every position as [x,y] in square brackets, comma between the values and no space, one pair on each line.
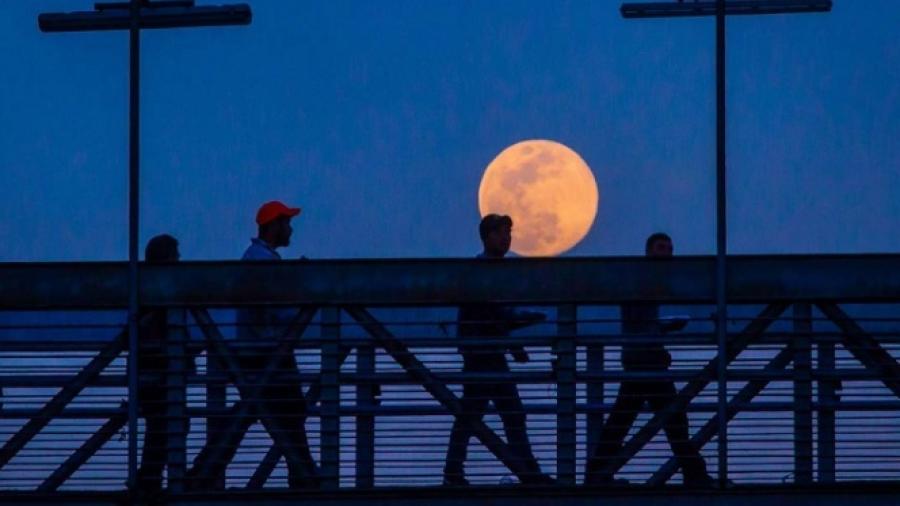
[378,118]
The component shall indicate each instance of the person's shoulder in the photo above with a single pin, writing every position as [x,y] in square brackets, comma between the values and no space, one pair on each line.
[250,253]
[258,251]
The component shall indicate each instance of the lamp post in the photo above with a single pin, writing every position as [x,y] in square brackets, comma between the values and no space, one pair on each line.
[721,9]
[134,16]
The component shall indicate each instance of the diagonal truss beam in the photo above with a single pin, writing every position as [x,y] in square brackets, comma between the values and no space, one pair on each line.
[248,408]
[753,330]
[85,451]
[864,347]
[270,460]
[62,398]
[711,427]
[268,464]
[417,370]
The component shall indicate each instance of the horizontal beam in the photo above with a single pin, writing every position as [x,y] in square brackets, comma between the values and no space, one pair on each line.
[418,409]
[18,344]
[585,280]
[732,8]
[400,378]
[503,495]
[870,494]
[169,16]
[566,496]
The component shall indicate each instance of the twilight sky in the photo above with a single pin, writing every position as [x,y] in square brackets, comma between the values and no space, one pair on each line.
[378,118]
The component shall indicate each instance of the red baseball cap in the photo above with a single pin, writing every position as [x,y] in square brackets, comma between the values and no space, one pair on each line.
[273,210]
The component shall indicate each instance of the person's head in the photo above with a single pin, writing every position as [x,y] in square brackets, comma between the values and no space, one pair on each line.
[496,234]
[274,222]
[659,245]
[162,248]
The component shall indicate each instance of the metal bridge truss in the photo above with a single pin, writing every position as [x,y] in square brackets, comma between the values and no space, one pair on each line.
[796,294]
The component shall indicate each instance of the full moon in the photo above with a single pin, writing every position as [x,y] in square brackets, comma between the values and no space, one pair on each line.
[548,191]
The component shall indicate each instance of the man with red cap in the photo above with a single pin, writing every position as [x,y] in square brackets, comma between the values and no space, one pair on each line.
[285,397]
[274,221]
[258,329]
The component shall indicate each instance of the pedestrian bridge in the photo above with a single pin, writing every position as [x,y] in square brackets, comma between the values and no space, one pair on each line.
[808,413]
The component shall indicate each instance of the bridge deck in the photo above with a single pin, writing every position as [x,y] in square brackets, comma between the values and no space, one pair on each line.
[839,495]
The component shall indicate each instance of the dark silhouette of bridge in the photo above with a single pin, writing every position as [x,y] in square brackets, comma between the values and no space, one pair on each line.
[812,382]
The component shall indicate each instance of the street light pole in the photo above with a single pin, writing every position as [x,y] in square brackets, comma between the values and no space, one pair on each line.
[721,248]
[135,15]
[721,9]
[134,139]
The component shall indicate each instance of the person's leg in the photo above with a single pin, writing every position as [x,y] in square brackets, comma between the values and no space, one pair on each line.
[209,474]
[625,409]
[211,464]
[153,455]
[285,403]
[473,403]
[677,432]
[512,413]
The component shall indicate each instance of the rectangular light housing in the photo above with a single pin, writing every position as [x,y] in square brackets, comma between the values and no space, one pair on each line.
[690,8]
[164,15]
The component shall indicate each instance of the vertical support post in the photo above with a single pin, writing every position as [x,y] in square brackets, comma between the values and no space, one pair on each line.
[595,397]
[133,222]
[803,437]
[825,420]
[177,423]
[330,421]
[216,402]
[365,424]
[721,246]
[564,348]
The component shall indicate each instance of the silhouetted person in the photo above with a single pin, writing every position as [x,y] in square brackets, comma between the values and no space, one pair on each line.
[643,319]
[258,330]
[491,321]
[153,363]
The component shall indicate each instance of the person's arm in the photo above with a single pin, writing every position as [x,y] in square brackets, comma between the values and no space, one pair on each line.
[672,323]
[280,318]
[514,320]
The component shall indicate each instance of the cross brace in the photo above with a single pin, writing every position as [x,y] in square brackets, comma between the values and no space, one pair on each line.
[62,398]
[753,330]
[416,369]
[214,456]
